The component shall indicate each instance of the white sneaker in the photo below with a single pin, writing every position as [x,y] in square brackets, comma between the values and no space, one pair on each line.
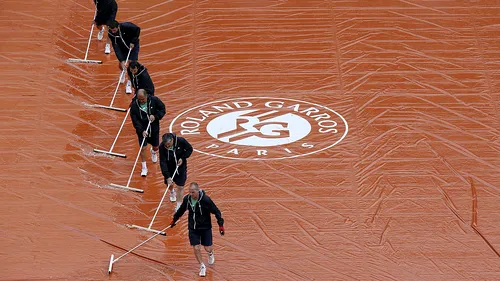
[211,258]
[100,34]
[107,49]
[203,270]
[154,155]
[122,79]
[128,90]
[144,172]
[173,195]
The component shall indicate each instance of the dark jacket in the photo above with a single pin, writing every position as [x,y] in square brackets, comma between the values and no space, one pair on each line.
[104,5]
[199,214]
[105,11]
[140,119]
[168,158]
[127,33]
[142,80]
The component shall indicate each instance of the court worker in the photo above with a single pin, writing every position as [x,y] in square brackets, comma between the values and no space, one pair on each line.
[144,109]
[174,152]
[140,78]
[106,13]
[200,207]
[124,37]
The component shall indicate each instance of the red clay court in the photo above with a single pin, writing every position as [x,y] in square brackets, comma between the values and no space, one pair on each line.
[389,169]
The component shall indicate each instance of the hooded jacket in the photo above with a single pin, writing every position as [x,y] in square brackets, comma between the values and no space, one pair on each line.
[141,80]
[127,33]
[199,213]
[140,119]
[182,149]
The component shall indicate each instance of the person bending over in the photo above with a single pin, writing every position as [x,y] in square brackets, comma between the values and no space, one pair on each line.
[124,37]
[144,109]
[174,152]
[140,78]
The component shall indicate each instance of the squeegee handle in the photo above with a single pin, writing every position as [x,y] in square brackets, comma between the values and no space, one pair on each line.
[142,243]
[90,36]
[119,131]
[161,201]
[138,154]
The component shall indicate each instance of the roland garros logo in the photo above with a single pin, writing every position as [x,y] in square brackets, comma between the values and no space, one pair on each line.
[260,128]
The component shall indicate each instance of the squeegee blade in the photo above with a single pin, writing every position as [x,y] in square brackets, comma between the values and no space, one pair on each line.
[84,61]
[110,267]
[126,187]
[110,153]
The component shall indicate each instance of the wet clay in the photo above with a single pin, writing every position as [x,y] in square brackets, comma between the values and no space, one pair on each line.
[410,193]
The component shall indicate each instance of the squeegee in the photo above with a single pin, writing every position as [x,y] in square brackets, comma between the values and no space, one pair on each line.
[127,187]
[110,151]
[157,209]
[85,60]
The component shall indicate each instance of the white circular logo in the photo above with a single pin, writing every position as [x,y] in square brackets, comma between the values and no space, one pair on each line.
[246,128]
[260,128]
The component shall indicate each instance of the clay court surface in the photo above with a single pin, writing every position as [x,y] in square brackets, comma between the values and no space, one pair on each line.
[412,192]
